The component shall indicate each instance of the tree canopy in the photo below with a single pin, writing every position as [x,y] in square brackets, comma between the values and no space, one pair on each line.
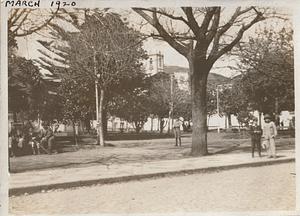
[202,36]
[103,51]
[267,66]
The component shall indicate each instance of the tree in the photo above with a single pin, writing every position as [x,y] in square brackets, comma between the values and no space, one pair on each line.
[51,107]
[183,105]
[201,42]
[268,71]
[24,22]
[29,93]
[129,100]
[160,96]
[25,86]
[183,108]
[134,107]
[76,100]
[166,101]
[211,99]
[103,50]
[231,101]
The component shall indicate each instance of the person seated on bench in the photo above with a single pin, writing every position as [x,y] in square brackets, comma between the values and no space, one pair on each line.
[47,138]
[35,145]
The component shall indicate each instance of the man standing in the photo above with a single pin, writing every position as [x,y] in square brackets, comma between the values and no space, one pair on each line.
[255,131]
[176,129]
[269,134]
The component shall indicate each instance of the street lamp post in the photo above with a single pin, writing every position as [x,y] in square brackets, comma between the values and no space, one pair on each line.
[171,112]
[218,108]
[96,92]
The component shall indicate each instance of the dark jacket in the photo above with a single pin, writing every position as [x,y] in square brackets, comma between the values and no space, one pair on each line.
[255,132]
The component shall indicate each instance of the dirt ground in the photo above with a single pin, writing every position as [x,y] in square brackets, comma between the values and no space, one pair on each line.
[127,151]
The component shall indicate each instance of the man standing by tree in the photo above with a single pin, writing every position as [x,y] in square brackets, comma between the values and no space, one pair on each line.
[177,133]
[255,131]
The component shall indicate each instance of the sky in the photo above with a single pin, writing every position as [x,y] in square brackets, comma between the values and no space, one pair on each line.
[28,46]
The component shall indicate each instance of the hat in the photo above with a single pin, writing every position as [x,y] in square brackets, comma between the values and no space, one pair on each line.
[267,116]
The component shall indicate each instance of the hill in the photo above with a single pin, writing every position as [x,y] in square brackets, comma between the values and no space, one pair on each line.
[213,78]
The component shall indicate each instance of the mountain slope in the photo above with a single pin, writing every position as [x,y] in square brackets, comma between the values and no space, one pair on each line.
[213,78]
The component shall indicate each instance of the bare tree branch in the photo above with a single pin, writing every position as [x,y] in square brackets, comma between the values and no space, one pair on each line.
[171,16]
[215,56]
[177,37]
[192,23]
[21,22]
[215,24]
[14,17]
[208,16]
[18,18]
[155,23]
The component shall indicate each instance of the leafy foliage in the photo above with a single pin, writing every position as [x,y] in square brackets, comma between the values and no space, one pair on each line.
[133,107]
[103,49]
[76,106]
[183,105]
[160,94]
[268,71]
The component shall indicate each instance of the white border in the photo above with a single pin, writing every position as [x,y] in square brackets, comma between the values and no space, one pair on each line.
[3,118]
[293,4]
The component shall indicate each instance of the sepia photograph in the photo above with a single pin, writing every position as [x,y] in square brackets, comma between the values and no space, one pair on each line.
[148,109]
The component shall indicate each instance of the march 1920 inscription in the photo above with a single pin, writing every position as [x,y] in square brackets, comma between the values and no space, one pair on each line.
[36,4]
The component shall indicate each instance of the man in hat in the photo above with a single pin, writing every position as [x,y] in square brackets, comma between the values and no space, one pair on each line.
[255,131]
[269,134]
[47,138]
[176,128]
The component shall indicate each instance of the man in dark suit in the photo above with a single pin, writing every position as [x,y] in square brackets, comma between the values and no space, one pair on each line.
[255,132]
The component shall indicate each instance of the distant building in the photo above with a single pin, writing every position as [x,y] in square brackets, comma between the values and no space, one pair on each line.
[180,74]
[155,63]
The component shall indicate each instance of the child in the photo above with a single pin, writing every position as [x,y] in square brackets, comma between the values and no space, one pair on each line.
[255,131]
[269,134]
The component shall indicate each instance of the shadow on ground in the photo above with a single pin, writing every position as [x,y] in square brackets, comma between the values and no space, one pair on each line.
[120,152]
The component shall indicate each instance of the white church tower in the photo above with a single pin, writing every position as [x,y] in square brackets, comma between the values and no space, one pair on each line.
[155,63]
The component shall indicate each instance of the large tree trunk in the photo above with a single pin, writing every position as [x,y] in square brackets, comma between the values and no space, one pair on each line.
[74,133]
[161,125]
[158,124]
[259,118]
[277,118]
[151,124]
[198,80]
[101,131]
[104,122]
[229,120]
